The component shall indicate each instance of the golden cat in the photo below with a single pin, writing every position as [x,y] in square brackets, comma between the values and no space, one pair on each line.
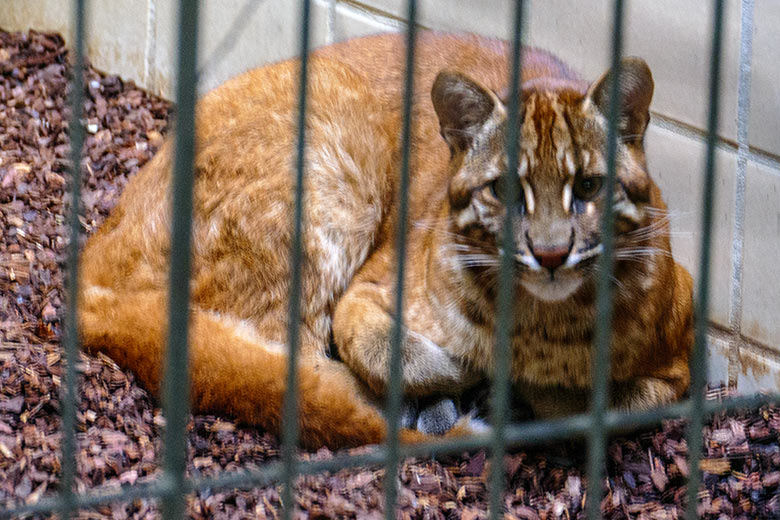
[243,198]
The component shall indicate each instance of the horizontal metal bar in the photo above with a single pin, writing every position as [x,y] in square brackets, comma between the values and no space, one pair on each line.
[105,495]
[523,434]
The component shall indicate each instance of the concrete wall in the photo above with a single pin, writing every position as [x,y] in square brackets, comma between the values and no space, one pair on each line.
[136,38]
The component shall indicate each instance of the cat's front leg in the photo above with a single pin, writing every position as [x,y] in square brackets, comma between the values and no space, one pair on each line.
[362,330]
[638,394]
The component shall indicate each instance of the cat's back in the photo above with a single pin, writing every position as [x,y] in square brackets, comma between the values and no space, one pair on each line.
[381,60]
[246,150]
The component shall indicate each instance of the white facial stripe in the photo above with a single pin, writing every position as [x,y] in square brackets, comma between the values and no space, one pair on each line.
[567,194]
[571,169]
[466,217]
[629,210]
[529,261]
[529,195]
[522,169]
[585,158]
[560,157]
[577,257]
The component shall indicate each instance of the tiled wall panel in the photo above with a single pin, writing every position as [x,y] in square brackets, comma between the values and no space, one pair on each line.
[765,85]
[676,162]
[761,273]
[672,36]
[233,38]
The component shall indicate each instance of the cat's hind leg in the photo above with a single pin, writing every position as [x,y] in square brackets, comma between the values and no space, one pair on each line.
[232,370]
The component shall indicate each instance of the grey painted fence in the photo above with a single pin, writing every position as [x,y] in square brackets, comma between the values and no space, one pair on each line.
[172,486]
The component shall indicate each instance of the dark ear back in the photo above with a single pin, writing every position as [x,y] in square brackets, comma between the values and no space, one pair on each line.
[636,92]
[463,105]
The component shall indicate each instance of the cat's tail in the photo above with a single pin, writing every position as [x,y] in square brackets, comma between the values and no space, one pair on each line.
[232,370]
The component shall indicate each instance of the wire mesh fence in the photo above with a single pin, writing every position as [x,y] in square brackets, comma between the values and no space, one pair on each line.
[172,487]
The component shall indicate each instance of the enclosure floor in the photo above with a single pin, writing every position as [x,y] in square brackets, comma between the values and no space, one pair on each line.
[119,425]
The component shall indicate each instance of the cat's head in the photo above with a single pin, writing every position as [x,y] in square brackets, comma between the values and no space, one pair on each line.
[561,172]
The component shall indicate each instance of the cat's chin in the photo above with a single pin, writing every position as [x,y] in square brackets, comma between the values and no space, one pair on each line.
[555,290]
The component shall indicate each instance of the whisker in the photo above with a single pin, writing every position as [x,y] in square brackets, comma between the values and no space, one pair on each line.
[659,222]
[469,133]
[657,228]
[434,225]
[629,137]
[478,259]
[636,253]
[618,284]
[465,248]
[674,213]
[476,263]
[432,221]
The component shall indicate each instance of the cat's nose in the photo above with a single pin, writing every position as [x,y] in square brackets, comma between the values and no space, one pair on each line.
[551,258]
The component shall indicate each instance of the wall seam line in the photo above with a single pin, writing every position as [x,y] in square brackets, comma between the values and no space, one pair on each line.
[754,155]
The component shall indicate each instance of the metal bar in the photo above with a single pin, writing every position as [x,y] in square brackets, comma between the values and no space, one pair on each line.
[523,434]
[290,406]
[172,486]
[176,394]
[505,297]
[743,149]
[601,362]
[699,357]
[69,395]
[395,390]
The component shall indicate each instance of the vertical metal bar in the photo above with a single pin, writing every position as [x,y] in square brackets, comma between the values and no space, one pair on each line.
[601,365]
[395,389]
[176,394]
[71,339]
[743,122]
[290,407]
[505,296]
[699,358]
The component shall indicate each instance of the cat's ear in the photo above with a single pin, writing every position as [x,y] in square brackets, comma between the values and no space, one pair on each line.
[463,106]
[636,92]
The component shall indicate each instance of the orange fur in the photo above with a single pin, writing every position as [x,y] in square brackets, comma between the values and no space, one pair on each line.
[243,197]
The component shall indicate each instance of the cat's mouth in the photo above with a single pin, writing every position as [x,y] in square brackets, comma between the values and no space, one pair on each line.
[552,286]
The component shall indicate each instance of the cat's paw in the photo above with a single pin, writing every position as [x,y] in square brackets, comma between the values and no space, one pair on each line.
[410,410]
[642,393]
[437,417]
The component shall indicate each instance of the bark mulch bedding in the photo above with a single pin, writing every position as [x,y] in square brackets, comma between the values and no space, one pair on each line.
[119,425]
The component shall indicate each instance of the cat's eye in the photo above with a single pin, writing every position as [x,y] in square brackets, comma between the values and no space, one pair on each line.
[586,188]
[499,188]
